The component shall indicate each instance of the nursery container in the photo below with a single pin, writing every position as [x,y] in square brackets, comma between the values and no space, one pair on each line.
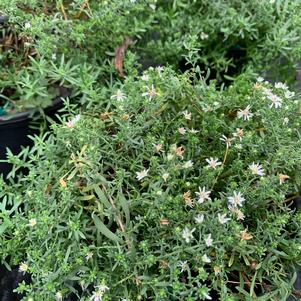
[14,131]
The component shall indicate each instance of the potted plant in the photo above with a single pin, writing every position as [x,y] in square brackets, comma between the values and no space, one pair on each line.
[167,189]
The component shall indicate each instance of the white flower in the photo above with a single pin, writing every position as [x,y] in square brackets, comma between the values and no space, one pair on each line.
[170,157]
[203,195]
[187,234]
[71,123]
[276,101]
[53,56]
[206,259]
[236,200]
[145,77]
[182,131]
[187,115]
[199,218]
[285,120]
[239,214]
[281,86]
[27,25]
[159,70]
[142,174]
[238,134]
[152,6]
[256,169]
[226,140]
[213,163]
[183,265]
[119,96]
[260,79]
[151,92]
[245,114]
[209,240]
[289,94]
[188,164]
[165,176]
[193,131]
[58,296]
[204,36]
[238,146]
[23,267]
[222,218]
[32,222]
[88,256]
[158,147]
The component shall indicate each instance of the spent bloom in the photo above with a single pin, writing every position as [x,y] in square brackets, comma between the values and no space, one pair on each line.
[222,218]
[187,234]
[245,114]
[71,123]
[238,134]
[120,96]
[142,174]
[97,295]
[151,92]
[282,178]
[256,169]
[203,195]
[199,218]
[213,163]
[236,200]
[208,240]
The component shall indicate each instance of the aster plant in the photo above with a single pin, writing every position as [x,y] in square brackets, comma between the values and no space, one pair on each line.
[183,194]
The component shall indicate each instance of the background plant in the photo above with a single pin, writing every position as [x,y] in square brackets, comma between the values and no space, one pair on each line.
[124,201]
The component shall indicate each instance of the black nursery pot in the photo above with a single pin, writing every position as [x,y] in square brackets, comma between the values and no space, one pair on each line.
[14,132]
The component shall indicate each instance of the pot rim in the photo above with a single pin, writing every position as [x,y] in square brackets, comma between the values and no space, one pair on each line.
[21,116]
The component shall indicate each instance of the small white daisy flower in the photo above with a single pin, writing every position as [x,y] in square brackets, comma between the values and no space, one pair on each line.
[222,218]
[226,140]
[203,195]
[285,121]
[170,157]
[119,96]
[182,131]
[245,114]
[187,164]
[187,115]
[187,234]
[213,163]
[204,36]
[27,25]
[142,174]
[236,200]
[58,296]
[145,77]
[151,92]
[193,131]
[289,94]
[183,265]
[199,218]
[256,169]
[165,176]
[53,56]
[281,86]
[260,79]
[276,101]
[23,267]
[208,240]
[32,222]
[71,123]
[206,259]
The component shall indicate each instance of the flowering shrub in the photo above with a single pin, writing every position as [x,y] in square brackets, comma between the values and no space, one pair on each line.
[167,189]
[227,36]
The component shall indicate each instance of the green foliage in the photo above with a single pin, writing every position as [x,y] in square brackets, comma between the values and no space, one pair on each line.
[124,201]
